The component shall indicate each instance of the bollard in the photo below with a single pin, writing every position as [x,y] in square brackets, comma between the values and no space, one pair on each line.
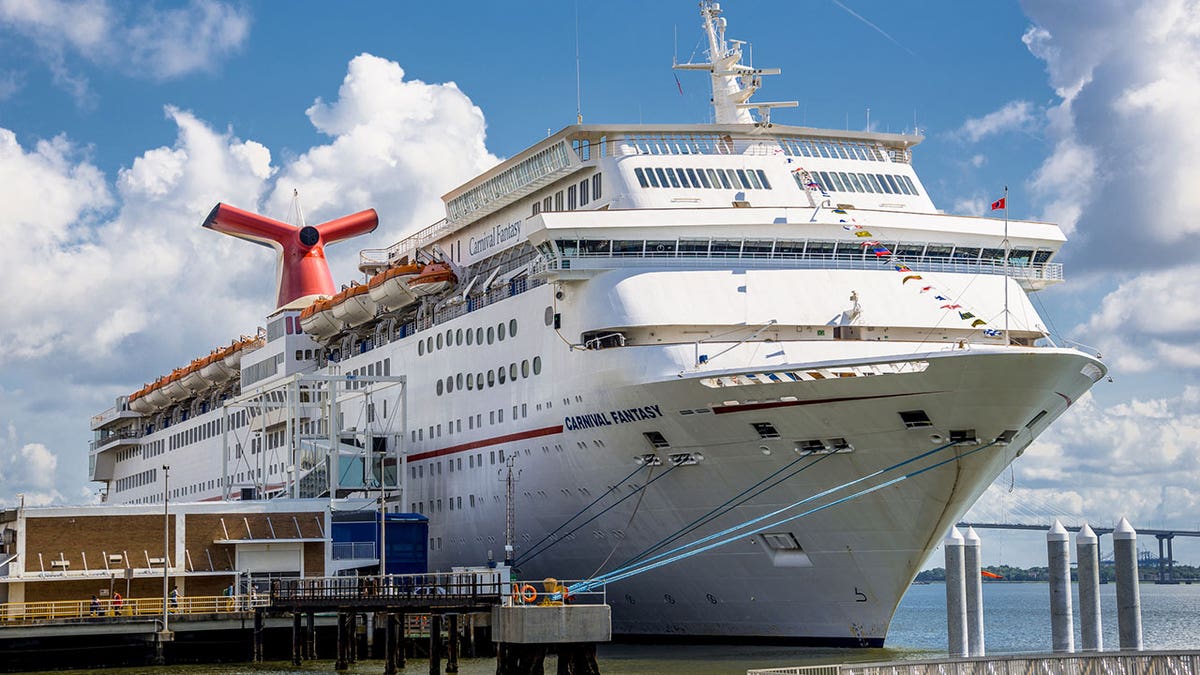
[973,574]
[956,596]
[1087,549]
[1062,629]
[1129,600]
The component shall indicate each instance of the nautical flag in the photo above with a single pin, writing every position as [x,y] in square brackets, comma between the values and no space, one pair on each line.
[881,251]
[842,211]
[991,332]
[851,228]
[862,233]
[965,315]
[940,297]
[978,322]
[926,289]
[677,84]
[911,276]
[903,268]
[999,203]
[951,307]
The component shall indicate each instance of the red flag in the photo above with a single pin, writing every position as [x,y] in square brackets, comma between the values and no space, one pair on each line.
[999,204]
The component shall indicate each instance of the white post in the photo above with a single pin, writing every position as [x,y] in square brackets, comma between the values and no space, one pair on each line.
[166,542]
[973,568]
[956,595]
[1129,601]
[1087,548]
[1061,624]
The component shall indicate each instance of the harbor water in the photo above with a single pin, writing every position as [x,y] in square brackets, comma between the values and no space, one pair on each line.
[1016,616]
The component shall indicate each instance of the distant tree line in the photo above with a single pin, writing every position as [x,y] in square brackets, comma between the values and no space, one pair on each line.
[1149,572]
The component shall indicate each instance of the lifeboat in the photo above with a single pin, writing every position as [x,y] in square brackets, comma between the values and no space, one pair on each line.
[389,289]
[174,388]
[353,306]
[155,397]
[192,379]
[434,278]
[233,359]
[138,402]
[213,368]
[317,320]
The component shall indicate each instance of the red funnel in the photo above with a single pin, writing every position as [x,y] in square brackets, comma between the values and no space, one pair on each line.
[302,272]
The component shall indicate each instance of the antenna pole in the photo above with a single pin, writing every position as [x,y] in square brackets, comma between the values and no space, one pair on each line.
[578,84]
[1007,246]
[509,512]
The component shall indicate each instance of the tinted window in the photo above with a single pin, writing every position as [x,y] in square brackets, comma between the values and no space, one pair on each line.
[641,176]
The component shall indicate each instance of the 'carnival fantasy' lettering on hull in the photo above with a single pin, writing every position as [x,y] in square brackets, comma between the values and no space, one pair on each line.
[498,235]
[606,419]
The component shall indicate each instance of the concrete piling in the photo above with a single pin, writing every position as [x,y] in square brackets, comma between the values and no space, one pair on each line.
[956,595]
[973,574]
[1062,625]
[1129,600]
[1087,550]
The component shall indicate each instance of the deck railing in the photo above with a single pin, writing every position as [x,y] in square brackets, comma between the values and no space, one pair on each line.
[66,611]
[1088,663]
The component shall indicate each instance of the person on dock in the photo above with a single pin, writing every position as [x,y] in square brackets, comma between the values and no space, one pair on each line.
[117,600]
[229,593]
[94,608]
[175,599]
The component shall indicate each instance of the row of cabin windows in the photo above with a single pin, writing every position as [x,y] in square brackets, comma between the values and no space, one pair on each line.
[872,183]
[195,434]
[728,179]
[782,248]
[493,377]
[381,368]
[473,461]
[147,477]
[473,422]
[458,337]
[574,197]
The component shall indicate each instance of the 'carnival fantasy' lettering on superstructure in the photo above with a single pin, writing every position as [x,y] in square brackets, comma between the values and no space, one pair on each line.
[606,419]
[498,235]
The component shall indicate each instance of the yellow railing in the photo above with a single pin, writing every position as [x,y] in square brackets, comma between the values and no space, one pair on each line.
[16,613]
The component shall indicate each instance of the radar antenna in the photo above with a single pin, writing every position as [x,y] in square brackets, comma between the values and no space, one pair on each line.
[733,82]
[301,271]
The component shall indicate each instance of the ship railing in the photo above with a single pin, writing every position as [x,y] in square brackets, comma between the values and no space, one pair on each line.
[472,587]
[378,256]
[815,147]
[354,550]
[108,439]
[585,261]
[1173,661]
[69,611]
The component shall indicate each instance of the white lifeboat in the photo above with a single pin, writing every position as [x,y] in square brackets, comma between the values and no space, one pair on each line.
[317,320]
[234,358]
[138,402]
[192,379]
[434,278]
[353,306]
[213,368]
[174,388]
[389,289]
[155,396]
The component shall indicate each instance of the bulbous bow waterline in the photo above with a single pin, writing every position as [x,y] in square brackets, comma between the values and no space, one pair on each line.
[302,274]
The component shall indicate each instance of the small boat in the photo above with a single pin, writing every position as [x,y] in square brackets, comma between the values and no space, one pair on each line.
[174,388]
[155,396]
[239,349]
[214,370]
[192,379]
[353,306]
[434,278]
[389,289]
[317,320]
[138,402]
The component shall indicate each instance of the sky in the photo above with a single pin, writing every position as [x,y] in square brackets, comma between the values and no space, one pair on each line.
[123,123]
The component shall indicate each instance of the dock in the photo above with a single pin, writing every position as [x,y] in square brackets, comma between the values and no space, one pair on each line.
[1087,663]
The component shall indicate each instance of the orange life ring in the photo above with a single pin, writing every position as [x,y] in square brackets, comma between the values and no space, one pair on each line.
[528,594]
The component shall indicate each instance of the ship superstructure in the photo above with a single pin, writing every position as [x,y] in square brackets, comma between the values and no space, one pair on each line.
[633,327]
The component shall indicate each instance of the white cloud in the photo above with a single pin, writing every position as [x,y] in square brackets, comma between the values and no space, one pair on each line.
[115,276]
[1013,116]
[28,469]
[141,41]
[977,161]
[1098,463]
[971,206]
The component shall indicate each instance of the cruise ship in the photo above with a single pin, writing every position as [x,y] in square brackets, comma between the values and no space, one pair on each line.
[628,338]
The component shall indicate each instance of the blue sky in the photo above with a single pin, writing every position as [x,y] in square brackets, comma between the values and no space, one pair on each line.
[122,123]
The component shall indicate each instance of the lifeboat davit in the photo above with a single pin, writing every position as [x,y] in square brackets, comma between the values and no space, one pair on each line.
[317,320]
[353,306]
[389,289]
[434,278]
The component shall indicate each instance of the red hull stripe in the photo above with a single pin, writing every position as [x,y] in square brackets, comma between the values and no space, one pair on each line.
[721,410]
[510,438]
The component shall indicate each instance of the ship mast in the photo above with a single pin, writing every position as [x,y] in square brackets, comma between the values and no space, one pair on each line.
[733,83]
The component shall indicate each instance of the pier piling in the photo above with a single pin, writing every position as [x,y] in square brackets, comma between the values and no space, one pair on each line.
[973,568]
[956,595]
[342,647]
[258,635]
[297,639]
[452,651]
[311,637]
[435,644]
[1129,601]
[389,644]
[1058,551]
[1087,551]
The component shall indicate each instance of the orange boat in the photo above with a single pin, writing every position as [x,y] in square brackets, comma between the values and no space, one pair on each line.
[317,320]
[353,306]
[434,278]
[389,289]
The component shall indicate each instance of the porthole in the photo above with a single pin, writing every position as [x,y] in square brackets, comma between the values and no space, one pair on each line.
[491,334]
[549,316]
[512,371]
[449,384]
[439,340]
[500,374]
[449,338]
[421,348]
[525,368]
[478,336]
[512,328]
[439,387]
[500,332]
[479,381]
[491,375]
[537,365]
[470,336]
[458,337]
[470,382]
[458,380]
[429,345]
